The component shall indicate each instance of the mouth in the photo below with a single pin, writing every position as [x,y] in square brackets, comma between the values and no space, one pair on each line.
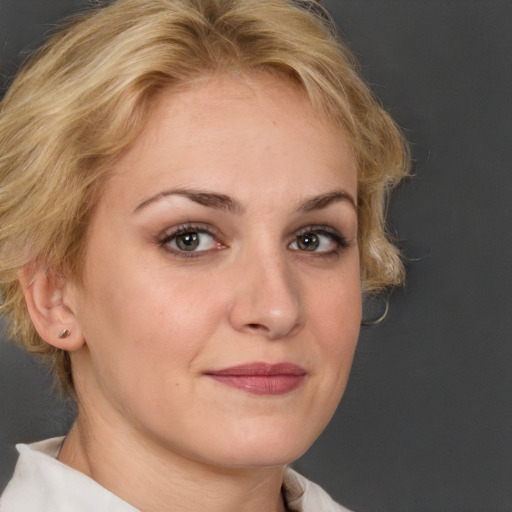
[261,378]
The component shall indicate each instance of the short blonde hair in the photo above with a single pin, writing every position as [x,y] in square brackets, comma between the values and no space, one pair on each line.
[85,94]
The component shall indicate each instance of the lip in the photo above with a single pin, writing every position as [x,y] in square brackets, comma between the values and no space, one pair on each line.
[261,378]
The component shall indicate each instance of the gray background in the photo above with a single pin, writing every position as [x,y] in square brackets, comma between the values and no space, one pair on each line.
[426,422]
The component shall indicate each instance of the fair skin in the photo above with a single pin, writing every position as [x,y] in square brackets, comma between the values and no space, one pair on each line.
[226,238]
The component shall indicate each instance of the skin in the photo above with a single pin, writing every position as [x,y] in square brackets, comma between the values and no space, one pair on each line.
[152,320]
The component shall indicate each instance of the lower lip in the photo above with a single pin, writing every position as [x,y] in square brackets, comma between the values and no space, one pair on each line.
[261,384]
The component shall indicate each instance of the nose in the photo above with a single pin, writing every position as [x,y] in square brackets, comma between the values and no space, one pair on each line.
[267,299]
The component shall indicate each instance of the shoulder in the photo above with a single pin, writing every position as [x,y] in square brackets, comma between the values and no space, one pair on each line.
[18,493]
[41,483]
[302,495]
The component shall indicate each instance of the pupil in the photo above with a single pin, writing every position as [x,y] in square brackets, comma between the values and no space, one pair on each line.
[187,241]
[308,242]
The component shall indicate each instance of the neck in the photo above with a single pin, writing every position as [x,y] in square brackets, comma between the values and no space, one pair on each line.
[152,478]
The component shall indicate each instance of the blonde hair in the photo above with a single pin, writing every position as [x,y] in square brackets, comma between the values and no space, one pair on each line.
[85,94]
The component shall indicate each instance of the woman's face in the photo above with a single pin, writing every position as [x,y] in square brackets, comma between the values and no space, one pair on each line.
[221,304]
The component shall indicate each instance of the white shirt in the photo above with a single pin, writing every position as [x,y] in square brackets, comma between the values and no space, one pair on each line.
[43,484]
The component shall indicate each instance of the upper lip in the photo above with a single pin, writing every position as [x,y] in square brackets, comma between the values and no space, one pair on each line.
[260,369]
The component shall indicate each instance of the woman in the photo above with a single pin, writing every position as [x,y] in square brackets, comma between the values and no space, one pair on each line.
[192,202]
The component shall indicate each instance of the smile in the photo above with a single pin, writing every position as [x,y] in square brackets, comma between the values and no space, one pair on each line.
[261,378]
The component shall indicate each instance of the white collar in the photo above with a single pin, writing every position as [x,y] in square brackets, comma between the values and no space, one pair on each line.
[41,483]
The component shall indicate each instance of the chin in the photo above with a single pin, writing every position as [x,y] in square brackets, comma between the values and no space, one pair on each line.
[268,446]
[258,458]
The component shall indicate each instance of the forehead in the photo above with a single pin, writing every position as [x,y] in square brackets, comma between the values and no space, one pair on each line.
[236,132]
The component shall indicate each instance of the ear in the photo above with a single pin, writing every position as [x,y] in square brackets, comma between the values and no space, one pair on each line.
[50,303]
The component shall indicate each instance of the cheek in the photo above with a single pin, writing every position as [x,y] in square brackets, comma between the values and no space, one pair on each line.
[335,319]
[148,319]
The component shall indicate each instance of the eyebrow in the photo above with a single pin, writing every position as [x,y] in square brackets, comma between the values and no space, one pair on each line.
[202,197]
[227,203]
[324,200]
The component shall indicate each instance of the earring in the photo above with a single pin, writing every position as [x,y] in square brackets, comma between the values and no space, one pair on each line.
[375,309]
[64,334]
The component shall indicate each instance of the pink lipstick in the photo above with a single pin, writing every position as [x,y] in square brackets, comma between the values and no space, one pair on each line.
[261,378]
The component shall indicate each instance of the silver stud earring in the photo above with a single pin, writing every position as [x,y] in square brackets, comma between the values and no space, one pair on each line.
[64,334]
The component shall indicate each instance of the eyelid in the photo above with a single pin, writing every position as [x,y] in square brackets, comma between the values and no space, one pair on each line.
[185,228]
[338,238]
[341,242]
[167,235]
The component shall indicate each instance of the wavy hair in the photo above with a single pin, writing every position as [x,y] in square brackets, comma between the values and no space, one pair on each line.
[84,96]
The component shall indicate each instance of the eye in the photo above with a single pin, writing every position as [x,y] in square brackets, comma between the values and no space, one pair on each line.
[192,241]
[318,240]
[189,239]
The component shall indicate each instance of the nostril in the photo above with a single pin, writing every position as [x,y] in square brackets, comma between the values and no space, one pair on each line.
[257,327]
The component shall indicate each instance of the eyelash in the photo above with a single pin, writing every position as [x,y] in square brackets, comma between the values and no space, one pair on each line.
[169,236]
[339,240]
[164,240]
